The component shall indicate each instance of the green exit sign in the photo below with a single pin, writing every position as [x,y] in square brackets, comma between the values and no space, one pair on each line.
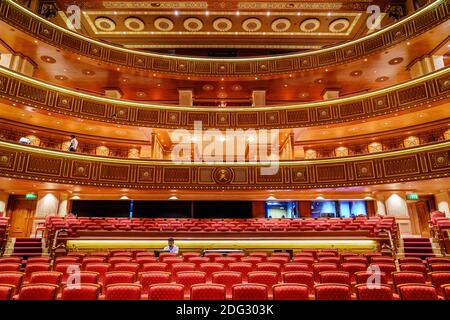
[30,196]
[412,196]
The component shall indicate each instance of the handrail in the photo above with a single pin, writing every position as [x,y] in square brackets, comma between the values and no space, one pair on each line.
[413,25]
[400,97]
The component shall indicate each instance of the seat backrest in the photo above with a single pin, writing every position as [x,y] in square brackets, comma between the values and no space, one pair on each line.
[342,277]
[101,268]
[37,292]
[290,291]
[249,291]
[6,291]
[146,279]
[332,292]
[189,278]
[48,277]
[439,267]
[154,266]
[417,292]
[33,267]
[208,291]
[420,267]
[362,277]
[9,267]
[269,278]
[182,266]
[166,291]
[84,291]
[210,267]
[269,266]
[114,277]
[375,292]
[227,278]
[439,279]
[126,266]
[12,278]
[402,277]
[322,266]
[123,292]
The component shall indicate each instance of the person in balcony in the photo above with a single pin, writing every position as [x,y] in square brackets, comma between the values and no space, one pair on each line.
[172,248]
[73,144]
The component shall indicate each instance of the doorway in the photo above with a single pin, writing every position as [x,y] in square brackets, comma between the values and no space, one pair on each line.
[420,217]
[21,212]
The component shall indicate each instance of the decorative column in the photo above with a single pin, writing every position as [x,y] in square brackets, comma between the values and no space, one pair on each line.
[330,94]
[442,202]
[63,204]
[3,203]
[259,98]
[47,205]
[379,205]
[396,206]
[425,65]
[185,97]
[113,93]
[17,62]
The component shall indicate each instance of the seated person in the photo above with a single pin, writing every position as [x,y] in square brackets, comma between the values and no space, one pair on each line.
[172,248]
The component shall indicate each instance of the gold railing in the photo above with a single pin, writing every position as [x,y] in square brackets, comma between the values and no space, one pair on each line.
[409,95]
[38,164]
[417,23]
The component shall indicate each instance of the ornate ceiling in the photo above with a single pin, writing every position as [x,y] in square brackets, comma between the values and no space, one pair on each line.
[264,25]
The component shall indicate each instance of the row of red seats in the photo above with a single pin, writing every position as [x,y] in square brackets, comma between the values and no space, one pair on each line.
[295,286]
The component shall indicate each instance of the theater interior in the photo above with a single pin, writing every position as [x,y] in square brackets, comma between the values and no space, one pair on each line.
[289,150]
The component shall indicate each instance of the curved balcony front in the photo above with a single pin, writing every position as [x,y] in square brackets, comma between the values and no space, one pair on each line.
[414,94]
[37,164]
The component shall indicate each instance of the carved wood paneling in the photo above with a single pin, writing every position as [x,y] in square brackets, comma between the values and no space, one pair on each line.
[18,17]
[27,162]
[414,94]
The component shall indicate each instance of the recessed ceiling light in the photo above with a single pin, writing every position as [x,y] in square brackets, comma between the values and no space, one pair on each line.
[271,198]
[124,198]
[173,198]
[268,13]
[176,12]
[238,13]
[206,13]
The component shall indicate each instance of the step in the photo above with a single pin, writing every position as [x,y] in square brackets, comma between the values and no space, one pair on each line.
[416,239]
[27,249]
[421,255]
[28,244]
[25,254]
[28,240]
[417,244]
[417,249]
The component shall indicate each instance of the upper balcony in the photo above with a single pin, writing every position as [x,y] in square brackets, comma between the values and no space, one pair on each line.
[362,62]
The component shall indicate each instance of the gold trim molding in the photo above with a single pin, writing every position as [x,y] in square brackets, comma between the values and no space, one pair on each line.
[419,22]
[405,96]
[38,164]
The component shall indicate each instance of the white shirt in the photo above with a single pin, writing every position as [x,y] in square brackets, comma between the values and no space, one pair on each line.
[73,144]
[174,249]
[25,140]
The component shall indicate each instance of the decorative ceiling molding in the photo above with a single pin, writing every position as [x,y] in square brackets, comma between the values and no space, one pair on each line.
[416,93]
[38,164]
[422,20]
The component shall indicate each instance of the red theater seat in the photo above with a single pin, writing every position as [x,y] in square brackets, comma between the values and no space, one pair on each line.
[362,277]
[300,277]
[70,259]
[306,260]
[115,277]
[269,266]
[322,266]
[12,278]
[10,260]
[6,291]
[47,277]
[123,292]
[225,260]
[249,291]
[403,277]
[9,267]
[100,268]
[417,292]
[38,260]
[33,267]
[210,267]
[374,292]
[294,266]
[332,292]
[227,278]
[158,266]
[183,266]
[419,267]
[208,292]
[410,260]
[342,277]
[439,267]
[127,266]
[290,291]
[438,280]
[37,292]
[253,260]
[268,278]
[90,259]
[81,292]
[243,267]
[352,268]
[166,291]
[146,279]
[189,278]
[446,291]
[387,268]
